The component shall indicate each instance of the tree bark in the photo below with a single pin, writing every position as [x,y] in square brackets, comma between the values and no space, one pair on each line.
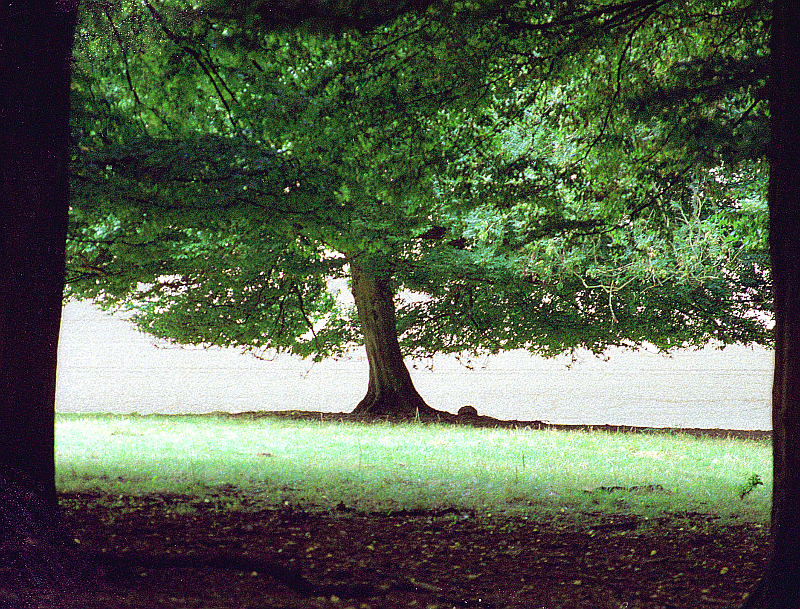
[391,392]
[780,586]
[35,51]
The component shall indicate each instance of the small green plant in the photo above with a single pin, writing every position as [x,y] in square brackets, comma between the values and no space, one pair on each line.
[748,487]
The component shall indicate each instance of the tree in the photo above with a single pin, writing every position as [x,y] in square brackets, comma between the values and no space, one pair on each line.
[26,29]
[513,206]
[323,155]
[35,51]
[779,587]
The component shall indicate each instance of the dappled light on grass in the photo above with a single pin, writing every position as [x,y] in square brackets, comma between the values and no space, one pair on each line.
[386,468]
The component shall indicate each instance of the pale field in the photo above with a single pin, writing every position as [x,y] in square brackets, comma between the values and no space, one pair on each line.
[105,365]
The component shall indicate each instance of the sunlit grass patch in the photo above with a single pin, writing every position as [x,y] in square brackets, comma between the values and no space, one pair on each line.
[327,466]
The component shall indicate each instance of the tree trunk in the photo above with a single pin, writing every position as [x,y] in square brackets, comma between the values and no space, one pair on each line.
[391,392]
[35,51]
[780,586]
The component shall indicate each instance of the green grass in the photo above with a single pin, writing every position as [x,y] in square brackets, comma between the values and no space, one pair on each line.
[246,463]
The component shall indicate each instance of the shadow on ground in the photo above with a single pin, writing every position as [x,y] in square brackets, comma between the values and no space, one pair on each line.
[447,418]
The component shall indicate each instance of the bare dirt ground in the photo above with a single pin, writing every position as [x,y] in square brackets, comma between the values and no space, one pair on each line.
[445,560]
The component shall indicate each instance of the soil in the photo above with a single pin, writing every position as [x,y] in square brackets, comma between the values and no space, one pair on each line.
[174,552]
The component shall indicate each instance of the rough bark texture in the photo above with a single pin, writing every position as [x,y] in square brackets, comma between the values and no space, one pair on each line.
[391,392]
[36,549]
[35,52]
[35,49]
[780,587]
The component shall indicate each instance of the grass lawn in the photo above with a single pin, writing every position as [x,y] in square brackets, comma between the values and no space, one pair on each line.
[386,468]
[218,511]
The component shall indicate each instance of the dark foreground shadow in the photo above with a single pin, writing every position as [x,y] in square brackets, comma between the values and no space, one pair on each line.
[446,418]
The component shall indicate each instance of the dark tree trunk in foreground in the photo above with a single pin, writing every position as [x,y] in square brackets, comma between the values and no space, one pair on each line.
[391,392]
[780,587]
[35,51]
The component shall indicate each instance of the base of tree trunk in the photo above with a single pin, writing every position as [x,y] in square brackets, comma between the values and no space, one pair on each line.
[403,405]
[37,554]
[774,591]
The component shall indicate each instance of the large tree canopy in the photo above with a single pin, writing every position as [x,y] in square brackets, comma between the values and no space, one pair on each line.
[526,189]
[715,105]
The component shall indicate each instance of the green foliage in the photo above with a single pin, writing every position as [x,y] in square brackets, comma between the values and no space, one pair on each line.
[748,487]
[532,178]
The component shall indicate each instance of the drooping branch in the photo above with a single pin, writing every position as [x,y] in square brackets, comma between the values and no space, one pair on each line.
[336,15]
